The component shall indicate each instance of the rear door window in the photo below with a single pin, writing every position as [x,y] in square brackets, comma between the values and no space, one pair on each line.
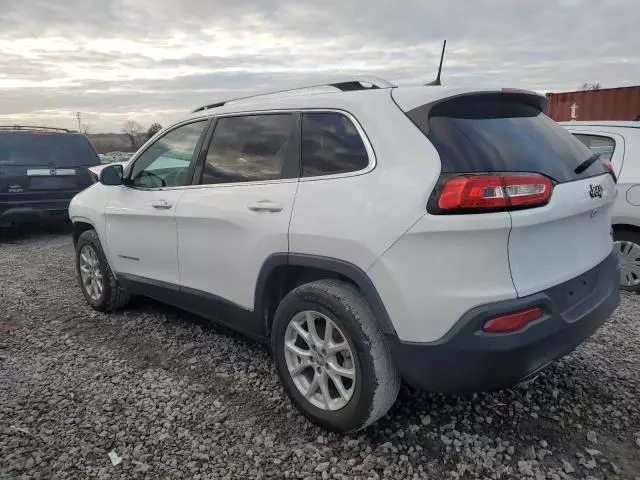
[331,144]
[502,133]
[46,149]
[604,146]
[249,148]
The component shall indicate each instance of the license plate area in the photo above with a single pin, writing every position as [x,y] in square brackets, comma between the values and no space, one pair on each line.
[51,183]
[573,292]
[51,178]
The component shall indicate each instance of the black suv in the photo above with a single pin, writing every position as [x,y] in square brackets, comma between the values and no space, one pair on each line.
[41,169]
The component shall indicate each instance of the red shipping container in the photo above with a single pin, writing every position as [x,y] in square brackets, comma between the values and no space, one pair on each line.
[604,104]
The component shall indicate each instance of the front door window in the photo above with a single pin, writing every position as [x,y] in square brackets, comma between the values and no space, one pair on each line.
[166,162]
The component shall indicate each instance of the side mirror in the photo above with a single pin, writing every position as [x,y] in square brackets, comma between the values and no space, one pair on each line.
[111,175]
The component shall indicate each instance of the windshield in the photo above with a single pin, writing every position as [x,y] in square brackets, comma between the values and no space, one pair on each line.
[47,149]
[499,133]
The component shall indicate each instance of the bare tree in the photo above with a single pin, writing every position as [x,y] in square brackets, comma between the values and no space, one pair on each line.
[591,86]
[85,128]
[153,129]
[132,129]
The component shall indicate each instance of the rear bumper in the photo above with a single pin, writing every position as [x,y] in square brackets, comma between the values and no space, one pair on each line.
[34,211]
[467,359]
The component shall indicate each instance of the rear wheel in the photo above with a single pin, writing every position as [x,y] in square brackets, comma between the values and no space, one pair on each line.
[627,244]
[332,360]
[99,286]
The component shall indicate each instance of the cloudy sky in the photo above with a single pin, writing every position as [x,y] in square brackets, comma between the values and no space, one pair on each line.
[151,60]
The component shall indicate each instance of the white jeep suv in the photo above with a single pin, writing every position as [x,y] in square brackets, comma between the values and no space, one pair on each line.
[456,239]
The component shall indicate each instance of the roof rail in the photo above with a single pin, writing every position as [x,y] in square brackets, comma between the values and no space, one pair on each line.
[32,127]
[342,84]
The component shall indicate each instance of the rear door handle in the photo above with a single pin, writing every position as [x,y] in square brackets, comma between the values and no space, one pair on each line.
[162,205]
[265,206]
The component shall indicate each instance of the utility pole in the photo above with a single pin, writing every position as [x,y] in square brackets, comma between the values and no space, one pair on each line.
[78,116]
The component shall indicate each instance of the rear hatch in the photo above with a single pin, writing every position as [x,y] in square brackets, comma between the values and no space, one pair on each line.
[500,152]
[43,165]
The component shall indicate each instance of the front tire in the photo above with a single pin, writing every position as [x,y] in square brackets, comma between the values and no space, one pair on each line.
[99,286]
[332,359]
[627,244]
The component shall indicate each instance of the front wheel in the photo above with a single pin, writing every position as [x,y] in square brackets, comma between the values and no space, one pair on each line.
[627,244]
[332,359]
[99,286]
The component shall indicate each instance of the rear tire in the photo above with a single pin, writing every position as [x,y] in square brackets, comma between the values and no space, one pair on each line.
[344,404]
[99,286]
[627,244]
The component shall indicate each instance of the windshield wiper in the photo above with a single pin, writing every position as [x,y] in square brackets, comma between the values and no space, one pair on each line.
[587,163]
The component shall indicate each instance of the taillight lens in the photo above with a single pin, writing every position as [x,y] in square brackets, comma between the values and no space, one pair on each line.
[609,166]
[494,192]
[513,321]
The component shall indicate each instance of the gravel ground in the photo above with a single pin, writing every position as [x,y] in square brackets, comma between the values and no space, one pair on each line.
[175,397]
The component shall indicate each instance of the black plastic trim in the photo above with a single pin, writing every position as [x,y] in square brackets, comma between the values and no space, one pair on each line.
[420,115]
[34,212]
[254,323]
[468,359]
[197,302]
[293,167]
[202,155]
[340,267]
[260,303]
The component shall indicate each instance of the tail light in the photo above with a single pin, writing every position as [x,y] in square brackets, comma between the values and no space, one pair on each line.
[513,321]
[609,166]
[491,192]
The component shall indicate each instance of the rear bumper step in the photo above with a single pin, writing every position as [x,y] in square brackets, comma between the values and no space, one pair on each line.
[468,359]
[33,211]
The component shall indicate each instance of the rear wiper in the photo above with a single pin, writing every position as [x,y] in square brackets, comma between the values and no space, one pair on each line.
[587,163]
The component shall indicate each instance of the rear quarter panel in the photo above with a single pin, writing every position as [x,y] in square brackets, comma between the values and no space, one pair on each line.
[444,266]
[356,217]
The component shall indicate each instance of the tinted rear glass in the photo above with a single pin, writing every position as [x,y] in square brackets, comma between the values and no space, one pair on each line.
[502,133]
[60,150]
[331,144]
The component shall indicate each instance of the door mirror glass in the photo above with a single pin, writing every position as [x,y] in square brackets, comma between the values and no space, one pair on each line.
[111,175]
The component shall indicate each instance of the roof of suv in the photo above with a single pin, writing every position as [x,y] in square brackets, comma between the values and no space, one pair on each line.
[334,95]
[31,128]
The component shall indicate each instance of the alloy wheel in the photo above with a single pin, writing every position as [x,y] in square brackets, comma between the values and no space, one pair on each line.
[91,273]
[320,360]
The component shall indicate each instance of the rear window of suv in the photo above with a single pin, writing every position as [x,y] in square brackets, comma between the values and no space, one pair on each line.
[331,144]
[47,149]
[502,133]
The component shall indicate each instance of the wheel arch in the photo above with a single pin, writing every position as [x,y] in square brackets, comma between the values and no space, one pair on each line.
[625,227]
[79,227]
[282,272]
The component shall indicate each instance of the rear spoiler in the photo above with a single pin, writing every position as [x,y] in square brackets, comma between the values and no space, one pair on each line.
[526,96]
[420,115]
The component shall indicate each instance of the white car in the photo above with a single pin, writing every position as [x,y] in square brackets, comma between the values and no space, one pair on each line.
[456,239]
[619,143]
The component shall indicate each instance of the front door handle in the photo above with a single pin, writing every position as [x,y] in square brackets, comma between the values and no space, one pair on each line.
[265,206]
[162,205]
